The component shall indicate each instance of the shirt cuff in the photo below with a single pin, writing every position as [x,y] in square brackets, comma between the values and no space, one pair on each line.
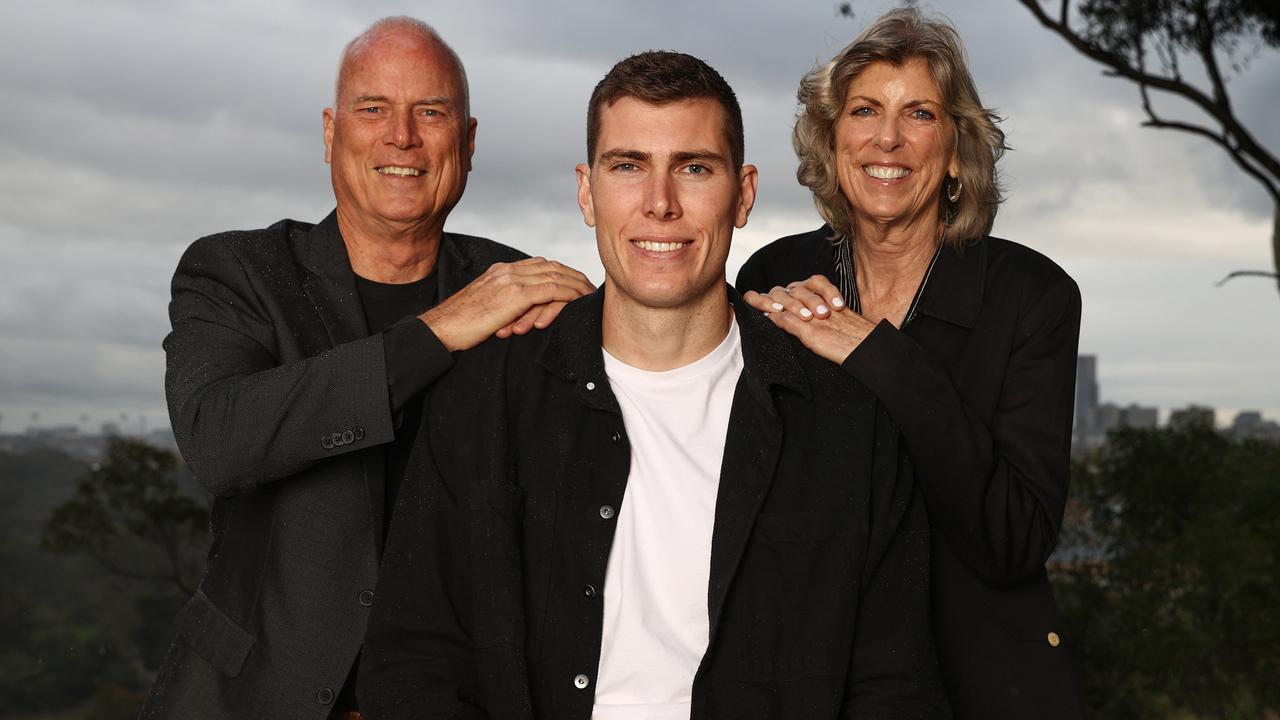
[415,357]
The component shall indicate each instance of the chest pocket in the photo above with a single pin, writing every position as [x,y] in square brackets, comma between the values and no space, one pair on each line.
[798,581]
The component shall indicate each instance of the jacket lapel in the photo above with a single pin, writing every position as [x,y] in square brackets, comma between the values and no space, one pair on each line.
[330,283]
[452,268]
[751,448]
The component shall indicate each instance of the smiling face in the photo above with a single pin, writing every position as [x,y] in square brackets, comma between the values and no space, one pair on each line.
[398,139]
[895,145]
[664,198]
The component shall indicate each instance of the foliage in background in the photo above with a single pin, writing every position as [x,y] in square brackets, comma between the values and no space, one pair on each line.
[129,515]
[1153,43]
[79,639]
[1172,577]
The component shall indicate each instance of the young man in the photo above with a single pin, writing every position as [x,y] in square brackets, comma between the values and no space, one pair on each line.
[663,507]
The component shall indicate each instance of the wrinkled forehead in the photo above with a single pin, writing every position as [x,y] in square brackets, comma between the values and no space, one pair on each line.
[399,57]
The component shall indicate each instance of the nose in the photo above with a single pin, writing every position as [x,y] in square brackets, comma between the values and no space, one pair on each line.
[888,134]
[661,201]
[404,131]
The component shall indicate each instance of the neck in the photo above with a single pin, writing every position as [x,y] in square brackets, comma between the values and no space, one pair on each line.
[387,253]
[658,339]
[887,260]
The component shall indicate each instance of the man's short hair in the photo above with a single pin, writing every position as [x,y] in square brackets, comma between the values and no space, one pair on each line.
[659,77]
[413,26]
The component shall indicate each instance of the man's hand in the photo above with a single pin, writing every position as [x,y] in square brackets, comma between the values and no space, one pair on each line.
[509,298]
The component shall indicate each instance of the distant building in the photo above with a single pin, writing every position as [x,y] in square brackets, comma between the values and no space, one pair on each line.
[1086,395]
[1250,425]
[1192,416]
[1111,416]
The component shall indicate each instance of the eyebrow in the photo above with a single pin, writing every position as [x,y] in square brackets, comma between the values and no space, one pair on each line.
[707,156]
[909,103]
[619,154]
[384,99]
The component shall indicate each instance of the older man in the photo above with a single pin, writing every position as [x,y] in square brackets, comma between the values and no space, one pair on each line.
[662,508]
[295,355]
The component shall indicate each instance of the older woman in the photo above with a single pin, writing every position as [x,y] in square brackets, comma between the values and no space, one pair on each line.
[969,341]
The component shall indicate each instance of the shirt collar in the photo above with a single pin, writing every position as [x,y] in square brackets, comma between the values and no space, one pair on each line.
[953,290]
[952,287]
[572,348]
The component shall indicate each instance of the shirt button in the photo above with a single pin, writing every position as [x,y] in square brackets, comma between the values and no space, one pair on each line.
[607,512]
[366,598]
[590,386]
[581,681]
[324,696]
[616,437]
[1054,639]
[589,590]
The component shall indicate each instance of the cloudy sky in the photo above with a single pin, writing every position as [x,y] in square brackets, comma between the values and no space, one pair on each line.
[132,127]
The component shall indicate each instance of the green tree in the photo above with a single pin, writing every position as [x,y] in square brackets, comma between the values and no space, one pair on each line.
[1174,576]
[129,515]
[1152,42]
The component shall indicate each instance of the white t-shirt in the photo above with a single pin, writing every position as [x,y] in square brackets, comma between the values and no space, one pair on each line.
[655,588]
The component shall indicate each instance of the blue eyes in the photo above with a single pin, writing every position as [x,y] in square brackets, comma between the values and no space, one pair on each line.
[918,113]
[380,110]
[693,169]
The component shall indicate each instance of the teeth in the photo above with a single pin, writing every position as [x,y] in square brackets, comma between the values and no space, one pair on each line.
[881,172]
[659,246]
[393,170]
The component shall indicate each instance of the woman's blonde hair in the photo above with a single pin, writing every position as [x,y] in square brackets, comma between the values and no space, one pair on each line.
[898,37]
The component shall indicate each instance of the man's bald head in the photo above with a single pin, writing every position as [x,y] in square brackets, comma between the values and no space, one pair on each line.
[401,29]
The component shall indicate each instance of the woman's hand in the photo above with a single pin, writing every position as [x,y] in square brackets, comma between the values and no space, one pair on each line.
[814,312]
[807,299]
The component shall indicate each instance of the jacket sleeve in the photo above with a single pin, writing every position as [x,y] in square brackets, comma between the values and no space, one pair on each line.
[894,673]
[241,417]
[995,488]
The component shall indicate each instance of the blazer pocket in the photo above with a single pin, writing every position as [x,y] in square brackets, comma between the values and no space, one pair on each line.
[214,636]
[1029,614]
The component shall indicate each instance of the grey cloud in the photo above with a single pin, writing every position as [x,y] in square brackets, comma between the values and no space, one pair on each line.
[141,125]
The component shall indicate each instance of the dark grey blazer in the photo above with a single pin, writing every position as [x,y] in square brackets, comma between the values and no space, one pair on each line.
[277,393]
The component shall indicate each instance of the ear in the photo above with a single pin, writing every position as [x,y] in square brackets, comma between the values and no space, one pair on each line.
[328,134]
[471,141]
[748,179]
[585,201]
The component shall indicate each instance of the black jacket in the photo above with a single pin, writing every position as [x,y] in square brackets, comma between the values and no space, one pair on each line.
[279,400]
[981,382]
[490,599]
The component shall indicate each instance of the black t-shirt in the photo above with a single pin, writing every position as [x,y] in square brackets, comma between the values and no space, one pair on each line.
[385,305]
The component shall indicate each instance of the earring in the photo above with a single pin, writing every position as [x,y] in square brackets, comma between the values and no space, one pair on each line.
[954,194]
